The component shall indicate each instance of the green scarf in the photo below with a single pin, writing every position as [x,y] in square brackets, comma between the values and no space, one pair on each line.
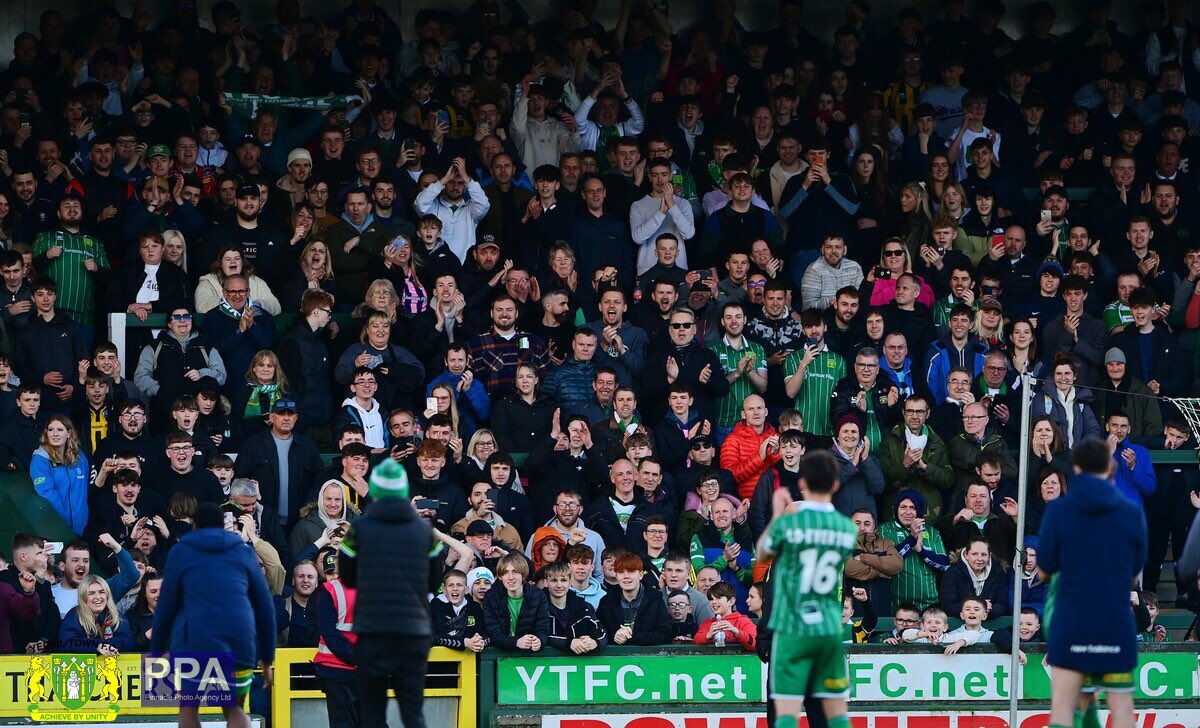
[248,104]
[254,405]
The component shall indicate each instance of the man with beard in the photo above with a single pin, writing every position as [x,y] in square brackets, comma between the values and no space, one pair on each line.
[259,239]
[130,437]
[482,274]
[442,324]
[383,199]
[352,242]
[104,196]
[74,260]
[622,345]
[496,353]
[32,213]
[652,315]
[552,326]
[75,563]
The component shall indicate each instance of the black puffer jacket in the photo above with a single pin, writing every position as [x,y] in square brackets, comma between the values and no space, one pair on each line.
[385,556]
[534,617]
[305,359]
[519,425]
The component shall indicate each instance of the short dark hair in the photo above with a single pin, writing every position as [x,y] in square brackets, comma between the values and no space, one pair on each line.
[820,470]
[1091,456]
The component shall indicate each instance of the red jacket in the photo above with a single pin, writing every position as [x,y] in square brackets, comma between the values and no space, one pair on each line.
[739,455]
[747,631]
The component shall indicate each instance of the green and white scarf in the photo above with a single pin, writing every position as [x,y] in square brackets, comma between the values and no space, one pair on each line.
[249,104]
[254,404]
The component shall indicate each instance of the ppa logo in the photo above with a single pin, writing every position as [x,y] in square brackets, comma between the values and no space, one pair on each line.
[193,679]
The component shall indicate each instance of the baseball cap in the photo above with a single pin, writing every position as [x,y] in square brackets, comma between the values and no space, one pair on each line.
[1114,355]
[158,150]
[486,240]
[284,405]
[329,562]
[248,189]
[991,304]
[480,528]
[249,139]
[478,573]
[701,441]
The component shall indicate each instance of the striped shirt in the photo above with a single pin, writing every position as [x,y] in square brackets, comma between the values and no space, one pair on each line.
[729,407]
[811,546]
[917,583]
[816,389]
[76,284]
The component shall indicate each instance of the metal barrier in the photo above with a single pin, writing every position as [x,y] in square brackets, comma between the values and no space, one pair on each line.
[452,676]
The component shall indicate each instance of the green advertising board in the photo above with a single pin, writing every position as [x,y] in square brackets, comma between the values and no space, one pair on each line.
[874,677]
[724,678]
[917,677]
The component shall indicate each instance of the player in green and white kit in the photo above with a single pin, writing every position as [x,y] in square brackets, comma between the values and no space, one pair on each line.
[810,542]
[811,373]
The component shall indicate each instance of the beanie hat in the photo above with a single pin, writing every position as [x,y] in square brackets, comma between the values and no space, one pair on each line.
[388,480]
[298,153]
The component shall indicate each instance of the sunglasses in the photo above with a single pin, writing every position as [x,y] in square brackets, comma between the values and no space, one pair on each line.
[181,317]
[893,253]
[682,325]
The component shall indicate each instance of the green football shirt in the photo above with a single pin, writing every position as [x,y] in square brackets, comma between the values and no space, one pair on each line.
[816,389]
[811,546]
[729,407]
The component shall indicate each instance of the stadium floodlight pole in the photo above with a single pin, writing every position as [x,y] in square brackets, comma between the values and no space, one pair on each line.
[1014,686]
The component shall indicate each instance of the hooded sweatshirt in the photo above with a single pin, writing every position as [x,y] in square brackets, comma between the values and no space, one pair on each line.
[215,599]
[1089,624]
[375,434]
[917,582]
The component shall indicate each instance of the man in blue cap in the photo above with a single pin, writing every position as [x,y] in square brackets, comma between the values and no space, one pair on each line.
[385,556]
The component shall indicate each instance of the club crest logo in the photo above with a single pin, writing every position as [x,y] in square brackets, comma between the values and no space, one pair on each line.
[61,688]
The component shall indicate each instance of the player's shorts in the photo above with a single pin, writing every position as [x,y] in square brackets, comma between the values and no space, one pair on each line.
[808,667]
[243,679]
[1109,682]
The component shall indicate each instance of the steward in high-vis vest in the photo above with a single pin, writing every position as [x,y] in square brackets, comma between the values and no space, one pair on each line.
[335,645]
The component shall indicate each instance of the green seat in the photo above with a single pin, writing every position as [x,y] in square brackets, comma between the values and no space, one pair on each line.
[23,510]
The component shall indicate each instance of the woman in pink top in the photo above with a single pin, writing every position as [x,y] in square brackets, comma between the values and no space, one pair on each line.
[880,285]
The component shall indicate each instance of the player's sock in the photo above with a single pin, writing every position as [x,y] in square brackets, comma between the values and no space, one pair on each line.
[840,721]
[1091,717]
[1078,719]
[786,721]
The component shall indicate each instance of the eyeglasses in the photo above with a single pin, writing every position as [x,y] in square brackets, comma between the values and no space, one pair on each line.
[567,506]
[865,365]
[916,411]
[973,418]
[179,449]
[757,284]
[326,310]
[134,415]
[901,620]
[656,532]
[365,382]
[893,253]
[710,484]
[682,325]
[236,291]
[177,317]
[995,369]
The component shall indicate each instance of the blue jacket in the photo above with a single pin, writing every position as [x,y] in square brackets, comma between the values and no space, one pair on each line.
[72,638]
[1083,425]
[474,405]
[65,486]
[238,348]
[215,599]
[570,384]
[940,359]
[1091,627]
[1138,483]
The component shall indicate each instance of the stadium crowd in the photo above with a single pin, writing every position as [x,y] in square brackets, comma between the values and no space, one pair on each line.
[598,290]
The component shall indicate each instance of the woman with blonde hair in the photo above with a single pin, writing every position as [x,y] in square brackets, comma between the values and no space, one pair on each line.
[175,248]
[989,324]
[95,625]
[265,385]
[446,404]
[914,217]
[954,201]
[315,267]
[60,472]
[381,297]
[210,289]
[397,371]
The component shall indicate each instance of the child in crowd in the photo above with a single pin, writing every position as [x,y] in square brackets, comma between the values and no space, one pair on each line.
[457,620]
[580,560]
[573,624]
[736,627]
[683,622]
